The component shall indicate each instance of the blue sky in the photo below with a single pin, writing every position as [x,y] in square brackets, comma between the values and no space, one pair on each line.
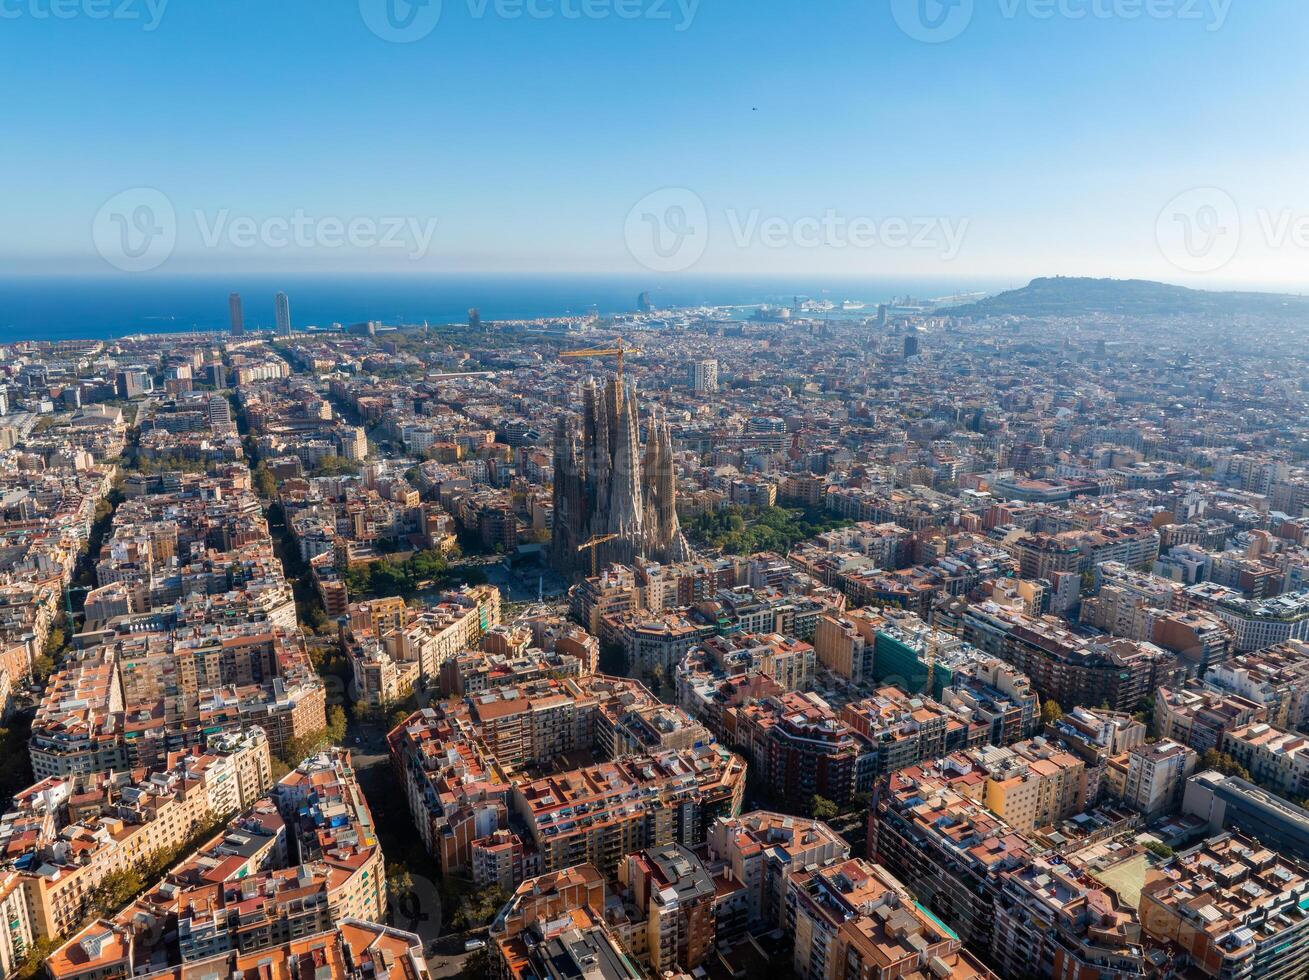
[1027,145]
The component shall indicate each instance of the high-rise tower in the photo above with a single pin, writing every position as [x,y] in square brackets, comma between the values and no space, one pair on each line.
[282,311]
[234,314]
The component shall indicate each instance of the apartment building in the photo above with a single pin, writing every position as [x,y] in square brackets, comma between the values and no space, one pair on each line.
[801,748]
[456,790]
[844,643]
[1261,623]
[1052,920]
[1199,716]
[1156,776]
[1068,668]
[1277,679]
[671,889]
[762,850]
[1034,783]
[1232,803]
[600,813]
[64,835]
[1231,909]
[17,936]
[532,722]
[1200,639]
[549,896]
[946,848]
[299,862]
[502,860]
[899,730]
[854,921]
[350,949]
[1275,758]
[474,671]
[322,800]
[986,690]
[1097,737]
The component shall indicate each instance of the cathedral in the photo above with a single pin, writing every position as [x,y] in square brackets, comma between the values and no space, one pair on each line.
[605,483]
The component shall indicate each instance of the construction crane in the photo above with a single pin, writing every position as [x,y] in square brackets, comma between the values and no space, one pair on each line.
[592,546]
[618,349]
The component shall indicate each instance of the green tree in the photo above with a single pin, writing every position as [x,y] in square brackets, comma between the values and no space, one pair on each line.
[1224,763]
[33,962]
[115,890]
[264,481]
[480,907]
[359,579]
[1051,712]
[335,466]
[745,530]
[1159,849]
[42,667]
[55,642]
[299,749]
[316,619]
[397,717]
[336,723]
[823,809]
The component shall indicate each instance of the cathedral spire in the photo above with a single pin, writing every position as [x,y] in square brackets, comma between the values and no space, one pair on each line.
[612,484]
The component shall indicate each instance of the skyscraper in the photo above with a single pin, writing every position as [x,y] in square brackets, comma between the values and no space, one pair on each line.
[704,376]
[234,314]
[282,311]
[606,483]
[911,345]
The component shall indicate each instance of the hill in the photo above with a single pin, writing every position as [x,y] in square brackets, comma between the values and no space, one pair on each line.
[1070,296]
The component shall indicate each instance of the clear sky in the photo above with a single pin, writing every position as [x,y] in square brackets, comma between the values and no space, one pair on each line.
[819,137]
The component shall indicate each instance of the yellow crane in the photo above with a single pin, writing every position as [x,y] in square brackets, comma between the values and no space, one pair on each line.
[592,546]
[618,349]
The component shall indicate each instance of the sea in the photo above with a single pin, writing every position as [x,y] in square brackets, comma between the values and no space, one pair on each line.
[108,306]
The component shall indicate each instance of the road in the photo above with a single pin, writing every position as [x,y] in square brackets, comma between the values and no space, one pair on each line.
[419,911]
